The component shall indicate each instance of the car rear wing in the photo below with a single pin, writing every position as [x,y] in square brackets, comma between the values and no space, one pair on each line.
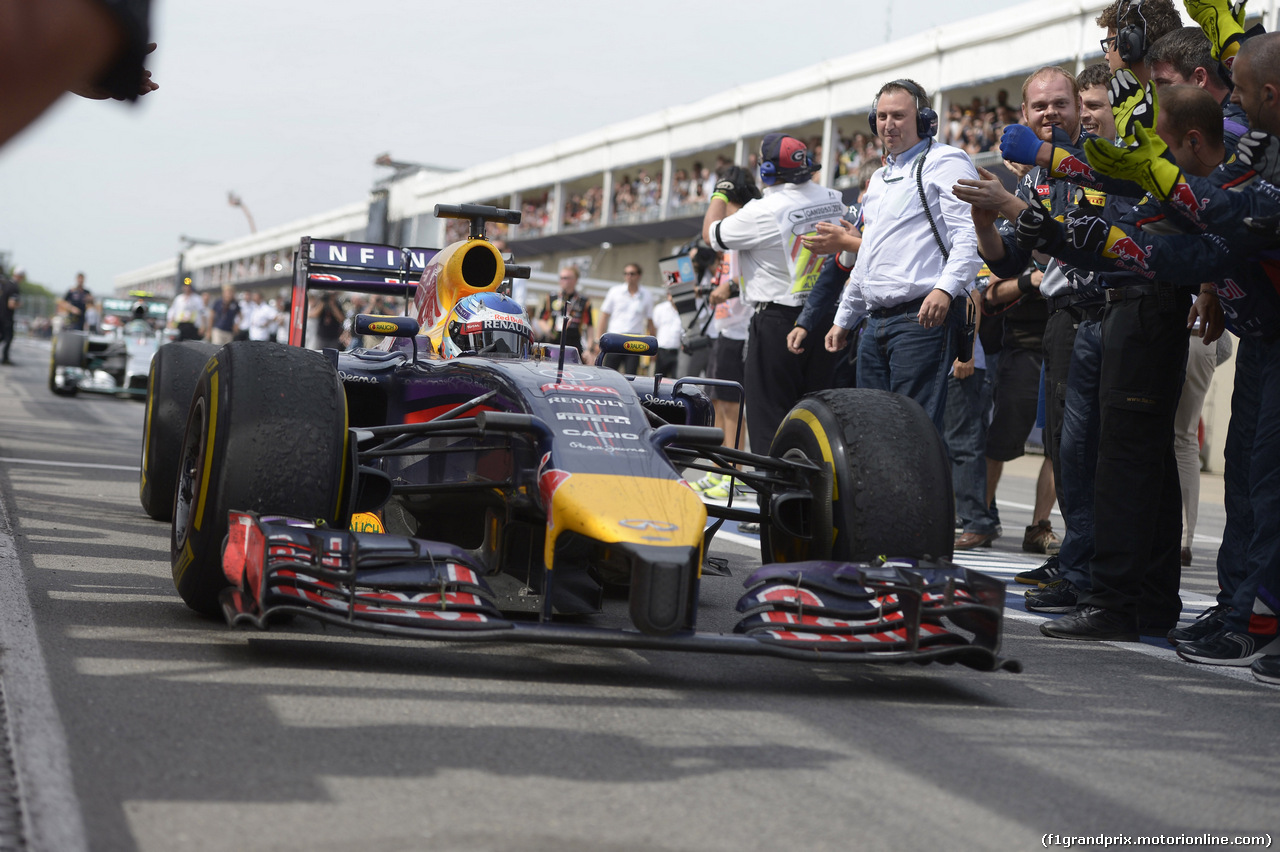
[341,265]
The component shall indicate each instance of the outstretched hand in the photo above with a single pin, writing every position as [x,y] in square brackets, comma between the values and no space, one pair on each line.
[987,193]
[833,238]
[1221,20]
[1256,149]
[1132,103]
[1145,162]
[1086,230]
[1035,229]
[1020,144]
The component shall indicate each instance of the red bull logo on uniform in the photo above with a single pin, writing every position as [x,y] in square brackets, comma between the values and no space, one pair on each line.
[1071,166]
[1184,198]
[1127,250]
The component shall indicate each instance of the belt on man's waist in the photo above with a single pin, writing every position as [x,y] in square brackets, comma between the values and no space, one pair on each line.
[1137,291]
[1067,300]
[778,306]
[898,310]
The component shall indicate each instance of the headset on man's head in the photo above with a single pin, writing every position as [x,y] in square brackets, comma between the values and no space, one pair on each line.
[926,118]
[1131,39]
[769,170]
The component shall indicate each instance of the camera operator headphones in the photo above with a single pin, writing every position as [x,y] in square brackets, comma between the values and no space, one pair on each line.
[1131,40]
[926,118]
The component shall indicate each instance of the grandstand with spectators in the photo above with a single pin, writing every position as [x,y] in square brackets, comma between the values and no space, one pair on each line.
[640,186]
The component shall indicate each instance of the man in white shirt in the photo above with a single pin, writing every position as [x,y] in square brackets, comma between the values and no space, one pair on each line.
[188,314]
[778,272]
[670,333]
[627,309]
[262,318]
[918,258]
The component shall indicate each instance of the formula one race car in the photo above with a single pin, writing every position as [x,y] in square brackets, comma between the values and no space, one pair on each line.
[461,482]
[116,361]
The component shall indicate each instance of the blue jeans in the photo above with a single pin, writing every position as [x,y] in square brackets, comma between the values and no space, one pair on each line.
[966,436]
[1078,454]
[1250,553]
[900,355]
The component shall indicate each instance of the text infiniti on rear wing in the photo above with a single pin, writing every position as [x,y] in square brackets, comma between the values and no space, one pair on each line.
[352,267]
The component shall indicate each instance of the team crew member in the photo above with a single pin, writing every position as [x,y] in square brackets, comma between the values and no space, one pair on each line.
[10,299]
[1243,628]
[730,324]
[187,314]
[1184,58]
[1051,103]
[226,317]
[263,318]
[1134,574]
[918,257]
[575,321]
[778,271]
[670,333]
[75,302]
[627,309]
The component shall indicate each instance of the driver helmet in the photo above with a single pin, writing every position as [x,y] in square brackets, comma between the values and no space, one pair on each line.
[488,324]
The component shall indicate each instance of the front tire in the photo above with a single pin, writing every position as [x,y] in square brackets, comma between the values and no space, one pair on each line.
[267,432]
[890,492]
[69,349]
[174,371]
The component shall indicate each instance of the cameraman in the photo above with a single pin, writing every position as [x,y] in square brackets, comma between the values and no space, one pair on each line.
[329,315]
[767,234]
[695,352]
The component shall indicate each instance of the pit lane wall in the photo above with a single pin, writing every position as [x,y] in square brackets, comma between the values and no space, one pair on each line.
[976,57]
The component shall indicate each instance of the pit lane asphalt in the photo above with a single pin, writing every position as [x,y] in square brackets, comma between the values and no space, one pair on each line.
[139,725]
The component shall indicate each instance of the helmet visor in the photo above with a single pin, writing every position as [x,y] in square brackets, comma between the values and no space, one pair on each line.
[491,342]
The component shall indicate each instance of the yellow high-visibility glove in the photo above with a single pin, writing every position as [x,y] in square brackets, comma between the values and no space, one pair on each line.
[1131,103]
[1145,162]
[1222,21]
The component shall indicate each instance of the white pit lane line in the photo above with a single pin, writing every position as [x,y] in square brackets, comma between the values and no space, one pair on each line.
[47,463]
[39,742]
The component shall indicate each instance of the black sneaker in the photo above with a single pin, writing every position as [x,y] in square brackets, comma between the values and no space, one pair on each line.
[1093,624]
[1228,648]
[1267,669]
[1206,624]
[1058,596]
[1042,576]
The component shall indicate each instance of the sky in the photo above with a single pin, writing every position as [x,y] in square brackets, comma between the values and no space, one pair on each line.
[288,102]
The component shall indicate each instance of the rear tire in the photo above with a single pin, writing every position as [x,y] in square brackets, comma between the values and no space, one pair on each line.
[69,349]
[174,371]
[891,480]
[267,432]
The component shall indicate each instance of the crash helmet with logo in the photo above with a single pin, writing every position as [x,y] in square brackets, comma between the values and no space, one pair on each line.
[488,324]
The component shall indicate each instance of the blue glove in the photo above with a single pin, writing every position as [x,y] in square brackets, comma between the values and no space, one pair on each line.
[1020,144]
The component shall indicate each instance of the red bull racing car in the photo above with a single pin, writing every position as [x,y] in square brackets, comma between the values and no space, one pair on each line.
[460,482]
